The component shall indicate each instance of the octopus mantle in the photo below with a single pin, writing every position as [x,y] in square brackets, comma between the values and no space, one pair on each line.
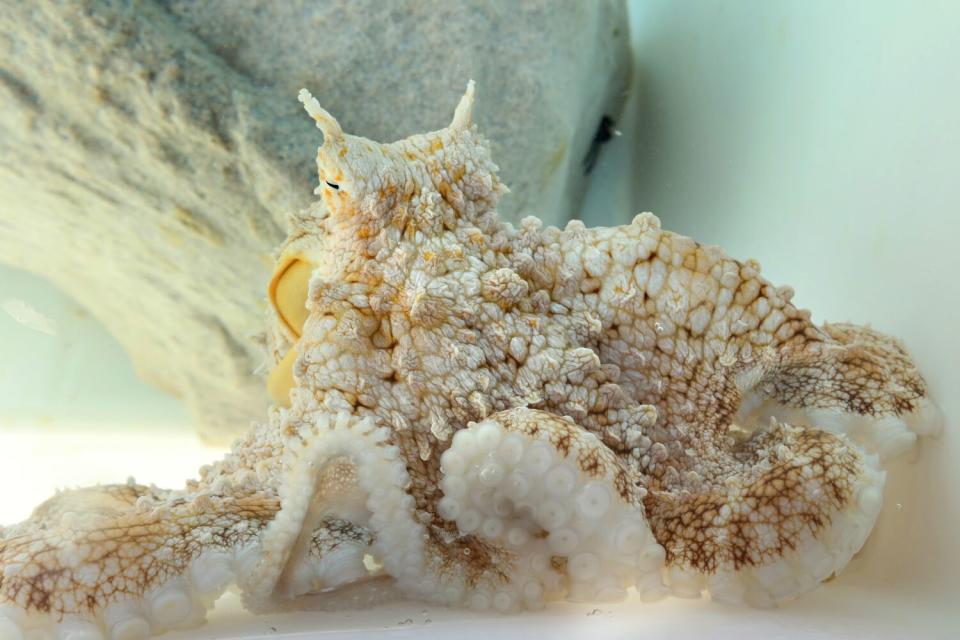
[480,415]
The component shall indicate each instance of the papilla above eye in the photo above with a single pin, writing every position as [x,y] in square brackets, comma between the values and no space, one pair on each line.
[332,185]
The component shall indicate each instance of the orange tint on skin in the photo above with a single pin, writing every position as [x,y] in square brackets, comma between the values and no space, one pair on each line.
[281,379]
[288,292]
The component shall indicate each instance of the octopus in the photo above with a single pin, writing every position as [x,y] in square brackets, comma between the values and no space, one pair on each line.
[480,415]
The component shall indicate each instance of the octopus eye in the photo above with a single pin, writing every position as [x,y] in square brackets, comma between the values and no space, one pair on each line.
[332,185]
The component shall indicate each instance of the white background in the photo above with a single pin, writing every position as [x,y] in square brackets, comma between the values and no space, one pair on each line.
[819,137]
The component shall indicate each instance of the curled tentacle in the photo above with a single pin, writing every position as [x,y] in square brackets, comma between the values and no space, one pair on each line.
[122,562]
[863,384]
[559,501]
[784,510]
[335,468]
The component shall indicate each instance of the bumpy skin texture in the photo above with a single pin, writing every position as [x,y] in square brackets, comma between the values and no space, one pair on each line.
[496,417]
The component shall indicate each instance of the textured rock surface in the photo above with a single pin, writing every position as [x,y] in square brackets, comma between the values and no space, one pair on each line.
[148,159]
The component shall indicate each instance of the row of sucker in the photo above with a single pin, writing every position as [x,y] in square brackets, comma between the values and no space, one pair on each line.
[573,533]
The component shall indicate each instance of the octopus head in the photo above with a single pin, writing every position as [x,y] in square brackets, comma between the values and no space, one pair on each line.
[426,182]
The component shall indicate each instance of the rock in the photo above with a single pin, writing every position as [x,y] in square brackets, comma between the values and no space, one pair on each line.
[150,152]
[547,71]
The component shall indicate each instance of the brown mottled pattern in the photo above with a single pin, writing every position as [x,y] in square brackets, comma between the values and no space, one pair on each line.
[119,549]
[695,534]
[333,532]
[866,373]
[591,456]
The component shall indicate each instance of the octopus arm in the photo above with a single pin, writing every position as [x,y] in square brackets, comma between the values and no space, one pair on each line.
[121,562]
[558,502]
[124,561]
[785,510]
[858,382]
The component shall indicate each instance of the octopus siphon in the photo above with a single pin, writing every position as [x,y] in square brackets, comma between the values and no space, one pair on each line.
[479,415]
